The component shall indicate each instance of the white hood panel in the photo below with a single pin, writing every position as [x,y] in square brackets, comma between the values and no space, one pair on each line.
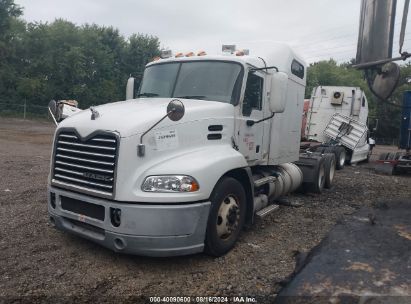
[137,115]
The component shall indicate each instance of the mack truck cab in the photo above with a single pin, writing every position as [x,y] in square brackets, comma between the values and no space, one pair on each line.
[205,145]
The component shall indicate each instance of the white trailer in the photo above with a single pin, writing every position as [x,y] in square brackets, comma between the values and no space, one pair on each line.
[206,145]
[330,105]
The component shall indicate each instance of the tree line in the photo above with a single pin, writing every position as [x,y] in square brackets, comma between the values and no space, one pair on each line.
[90,63]
[61,60]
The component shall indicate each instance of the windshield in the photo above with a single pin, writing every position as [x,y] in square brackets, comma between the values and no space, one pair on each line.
[206,80]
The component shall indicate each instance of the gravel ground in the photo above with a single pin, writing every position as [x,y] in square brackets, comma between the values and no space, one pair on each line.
[39,263]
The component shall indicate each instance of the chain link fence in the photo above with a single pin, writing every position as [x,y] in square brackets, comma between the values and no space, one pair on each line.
[387,141]
[24,110]
[29,111]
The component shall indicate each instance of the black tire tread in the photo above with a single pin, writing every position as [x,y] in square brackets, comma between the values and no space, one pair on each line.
[338,151]
[329,159]
[213,245]
[314,187]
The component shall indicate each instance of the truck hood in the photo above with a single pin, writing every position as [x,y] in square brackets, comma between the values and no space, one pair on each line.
[135,116]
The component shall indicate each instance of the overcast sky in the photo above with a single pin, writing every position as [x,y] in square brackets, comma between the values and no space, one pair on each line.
[318,29]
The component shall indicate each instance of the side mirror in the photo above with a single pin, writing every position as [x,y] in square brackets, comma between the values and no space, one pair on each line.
[53,107]
[55,111]
[175,110]
[130,88]
[386,81]
[278,93]
[62,109]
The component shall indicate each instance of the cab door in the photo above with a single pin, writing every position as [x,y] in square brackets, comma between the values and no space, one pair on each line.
[251,137]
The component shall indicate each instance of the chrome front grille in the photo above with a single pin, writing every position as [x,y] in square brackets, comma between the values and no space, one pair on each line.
[85,165]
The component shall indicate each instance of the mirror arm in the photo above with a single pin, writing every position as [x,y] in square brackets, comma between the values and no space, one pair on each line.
[153,126]
[372,64]
[141,148]
[52,116]
[251,123]
[175,107]
[264,68]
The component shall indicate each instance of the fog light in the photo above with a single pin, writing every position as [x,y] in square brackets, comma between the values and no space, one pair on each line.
[119,244]
[53,200]
[115,216]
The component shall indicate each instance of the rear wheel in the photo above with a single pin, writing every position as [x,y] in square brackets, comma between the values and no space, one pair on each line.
[227,215]
[340,157]
[329,164]
[317,185]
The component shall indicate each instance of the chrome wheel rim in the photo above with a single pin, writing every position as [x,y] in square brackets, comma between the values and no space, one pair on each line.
[228,217]
[321,177]
[332,170]
[342,158]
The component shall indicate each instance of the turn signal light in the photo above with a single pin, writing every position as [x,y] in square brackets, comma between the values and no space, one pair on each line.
[194,186]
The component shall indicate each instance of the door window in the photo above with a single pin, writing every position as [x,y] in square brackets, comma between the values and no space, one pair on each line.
[253,94]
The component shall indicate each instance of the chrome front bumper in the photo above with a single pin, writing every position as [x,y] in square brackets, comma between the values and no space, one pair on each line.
[145,229]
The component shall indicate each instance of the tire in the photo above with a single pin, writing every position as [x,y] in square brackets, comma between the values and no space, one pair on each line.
[340,157]
[329,163]
[319,181]
[226,218]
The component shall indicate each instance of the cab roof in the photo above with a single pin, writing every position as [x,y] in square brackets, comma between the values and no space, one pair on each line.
[281,56]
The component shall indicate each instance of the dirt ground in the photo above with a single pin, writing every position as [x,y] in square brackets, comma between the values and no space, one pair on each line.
[39,263]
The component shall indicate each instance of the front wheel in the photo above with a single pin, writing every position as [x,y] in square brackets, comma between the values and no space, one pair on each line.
[227,216]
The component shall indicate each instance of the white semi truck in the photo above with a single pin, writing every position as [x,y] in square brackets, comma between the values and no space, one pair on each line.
[332,106]
[207,144]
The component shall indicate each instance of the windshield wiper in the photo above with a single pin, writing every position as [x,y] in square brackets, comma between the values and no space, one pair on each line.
[147,95]
[191,97]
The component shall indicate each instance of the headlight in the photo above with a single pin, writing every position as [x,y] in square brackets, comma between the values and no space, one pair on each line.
[170,183]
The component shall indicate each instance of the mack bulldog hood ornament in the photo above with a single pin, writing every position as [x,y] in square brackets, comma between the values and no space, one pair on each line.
[94,113]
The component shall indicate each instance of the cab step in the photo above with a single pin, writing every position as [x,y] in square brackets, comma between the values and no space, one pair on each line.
[265,180]
[267,210]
